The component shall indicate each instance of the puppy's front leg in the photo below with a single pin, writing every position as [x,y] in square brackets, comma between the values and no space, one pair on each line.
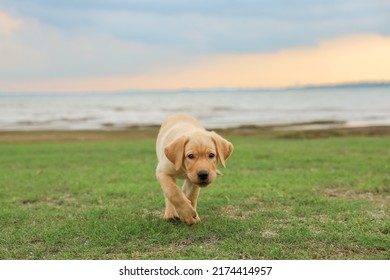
[175,196]
[192,192]
[170,211]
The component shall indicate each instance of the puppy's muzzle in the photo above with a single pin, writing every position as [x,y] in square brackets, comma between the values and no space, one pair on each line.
[203,177]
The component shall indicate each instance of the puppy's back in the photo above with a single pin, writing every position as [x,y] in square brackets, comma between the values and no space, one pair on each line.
[174,127]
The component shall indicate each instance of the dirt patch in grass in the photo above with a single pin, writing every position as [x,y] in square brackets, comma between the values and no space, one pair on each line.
[378,198]
[380,201]
[234,212]
[154,212]
[268,233]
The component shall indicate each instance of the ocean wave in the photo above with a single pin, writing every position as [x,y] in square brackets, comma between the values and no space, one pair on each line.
[214,110]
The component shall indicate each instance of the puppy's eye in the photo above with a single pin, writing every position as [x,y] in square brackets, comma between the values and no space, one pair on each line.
[190,156]
[211,155]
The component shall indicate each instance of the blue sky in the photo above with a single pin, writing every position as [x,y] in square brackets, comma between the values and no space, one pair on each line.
[46,40]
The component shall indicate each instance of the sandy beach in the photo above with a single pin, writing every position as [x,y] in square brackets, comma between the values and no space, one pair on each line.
[150,132]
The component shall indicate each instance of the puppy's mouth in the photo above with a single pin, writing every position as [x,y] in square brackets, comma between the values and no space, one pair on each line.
[203,184]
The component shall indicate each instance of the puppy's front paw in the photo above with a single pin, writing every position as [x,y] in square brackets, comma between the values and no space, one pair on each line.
[171,214]
[188,215]
[190,220]
[171,217]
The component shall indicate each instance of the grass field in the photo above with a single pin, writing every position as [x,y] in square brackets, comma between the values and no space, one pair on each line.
[280,198]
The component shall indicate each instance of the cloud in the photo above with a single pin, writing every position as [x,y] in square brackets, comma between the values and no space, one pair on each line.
[201,26]
[14,55]
[346,59]
[31,50]
[120,44]
[8,24]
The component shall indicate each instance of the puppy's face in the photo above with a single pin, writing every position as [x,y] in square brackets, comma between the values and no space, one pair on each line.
[200,160]
[198,154]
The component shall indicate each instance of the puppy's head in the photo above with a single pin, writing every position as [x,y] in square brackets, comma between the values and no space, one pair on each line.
[198,154]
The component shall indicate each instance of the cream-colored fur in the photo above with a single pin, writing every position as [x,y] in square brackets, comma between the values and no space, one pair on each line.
[185,150]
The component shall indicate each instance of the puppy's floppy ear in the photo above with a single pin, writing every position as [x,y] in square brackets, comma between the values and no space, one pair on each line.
[175,151]
[224,147]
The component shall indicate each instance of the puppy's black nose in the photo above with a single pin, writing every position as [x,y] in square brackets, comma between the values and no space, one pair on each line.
[203,175]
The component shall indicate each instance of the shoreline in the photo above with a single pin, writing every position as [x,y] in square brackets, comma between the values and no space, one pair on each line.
[293,131]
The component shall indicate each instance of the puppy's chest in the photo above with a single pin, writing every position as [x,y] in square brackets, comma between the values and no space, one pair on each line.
[180,174]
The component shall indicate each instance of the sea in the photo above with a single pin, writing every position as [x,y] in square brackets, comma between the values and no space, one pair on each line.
[303,108]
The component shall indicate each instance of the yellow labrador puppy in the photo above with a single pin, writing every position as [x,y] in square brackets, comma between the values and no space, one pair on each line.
[185,150]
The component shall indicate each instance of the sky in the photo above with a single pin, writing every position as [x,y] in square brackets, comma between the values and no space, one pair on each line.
[118,45]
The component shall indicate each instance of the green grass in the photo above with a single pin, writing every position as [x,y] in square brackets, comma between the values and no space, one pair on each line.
[278,199]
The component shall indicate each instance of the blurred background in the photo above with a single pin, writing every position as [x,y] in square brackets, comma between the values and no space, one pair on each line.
[115,64]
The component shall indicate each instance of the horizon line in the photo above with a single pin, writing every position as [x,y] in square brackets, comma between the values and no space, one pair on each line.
[208,89]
